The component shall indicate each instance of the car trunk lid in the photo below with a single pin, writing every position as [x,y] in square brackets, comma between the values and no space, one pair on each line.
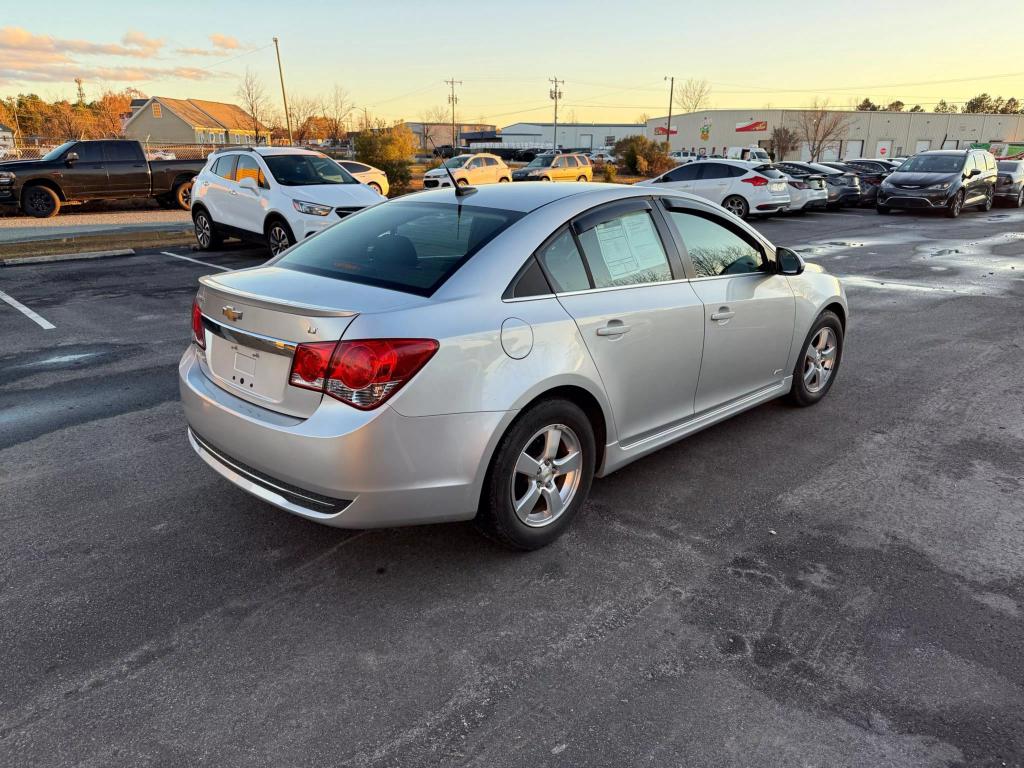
[254,319]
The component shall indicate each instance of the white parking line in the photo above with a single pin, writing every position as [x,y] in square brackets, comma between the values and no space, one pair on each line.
[42,322]
[196,261]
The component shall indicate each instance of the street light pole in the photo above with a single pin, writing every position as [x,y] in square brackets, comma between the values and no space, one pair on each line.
[284,96]
[668,128]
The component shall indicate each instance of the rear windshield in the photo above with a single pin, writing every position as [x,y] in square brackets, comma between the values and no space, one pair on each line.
[1009,166]
[405,246]
[770,171]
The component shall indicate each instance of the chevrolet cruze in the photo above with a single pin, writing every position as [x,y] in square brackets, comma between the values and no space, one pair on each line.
[485,355]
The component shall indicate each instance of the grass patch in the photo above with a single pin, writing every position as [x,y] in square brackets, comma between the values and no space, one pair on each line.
[95,242]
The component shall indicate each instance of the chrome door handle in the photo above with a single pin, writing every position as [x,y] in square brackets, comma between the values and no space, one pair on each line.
[206,183]
[613,329]
[233,192]
[722,314]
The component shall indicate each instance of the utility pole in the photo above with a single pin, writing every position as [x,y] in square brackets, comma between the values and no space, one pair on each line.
[668,128]
[284,96]
[555,94]
[453,100]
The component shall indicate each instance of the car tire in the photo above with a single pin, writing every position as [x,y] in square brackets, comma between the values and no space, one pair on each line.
[988,202]
[278,236]
[182,195]
[376,187]
[812,375]
[463,182]
[208,238]
[1020,199]
[881,209]
[582,178]
[41,202]
[955,205]
[546,178]
[737,206]
[504,180]
[546,508]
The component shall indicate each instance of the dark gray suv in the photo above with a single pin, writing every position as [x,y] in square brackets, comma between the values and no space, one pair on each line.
[941,179]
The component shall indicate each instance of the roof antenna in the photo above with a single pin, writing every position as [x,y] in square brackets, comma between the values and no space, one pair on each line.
[459,191]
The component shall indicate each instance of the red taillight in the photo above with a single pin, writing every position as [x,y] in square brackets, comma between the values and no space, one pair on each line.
[798,185]
[198,333]
[757,181]
[362,373]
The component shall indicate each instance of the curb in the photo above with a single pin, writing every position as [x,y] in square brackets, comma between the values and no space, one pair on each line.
[67,257]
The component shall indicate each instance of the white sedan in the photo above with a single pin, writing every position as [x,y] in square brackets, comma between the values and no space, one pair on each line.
[372,177]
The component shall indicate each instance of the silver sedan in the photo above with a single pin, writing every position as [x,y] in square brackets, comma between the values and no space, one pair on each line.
[484,356]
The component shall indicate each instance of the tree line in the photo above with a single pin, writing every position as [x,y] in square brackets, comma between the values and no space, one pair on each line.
[983,103]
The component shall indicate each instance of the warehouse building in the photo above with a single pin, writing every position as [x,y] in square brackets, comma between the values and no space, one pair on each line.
[866,134]
[570,135]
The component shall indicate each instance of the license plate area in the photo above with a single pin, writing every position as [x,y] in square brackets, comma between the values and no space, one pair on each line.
[256,373]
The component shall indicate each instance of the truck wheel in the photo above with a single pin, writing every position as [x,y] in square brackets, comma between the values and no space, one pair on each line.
[182,195]
[40,201]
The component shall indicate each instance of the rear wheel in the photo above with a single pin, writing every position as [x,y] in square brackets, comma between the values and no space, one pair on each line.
[582,178]
[182,195]
[40,201]
[540,476]
[737,206]
[279,236]
[463,182]
[955,205]
[881,209]
[504,179]
[207,236]
[375,187]
[818,364]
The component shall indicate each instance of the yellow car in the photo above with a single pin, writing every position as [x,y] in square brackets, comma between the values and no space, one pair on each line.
[552,167]
[469,170]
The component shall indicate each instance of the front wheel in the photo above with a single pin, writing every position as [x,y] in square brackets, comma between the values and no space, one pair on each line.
[955,205]
[737,206]
[279,237]
[881,209]
[504,180]
[1020,199]
[40,201]
[818,364]
[539,477]
[989,201]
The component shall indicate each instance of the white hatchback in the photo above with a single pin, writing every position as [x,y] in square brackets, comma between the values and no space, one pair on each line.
[275,195]
[742,188]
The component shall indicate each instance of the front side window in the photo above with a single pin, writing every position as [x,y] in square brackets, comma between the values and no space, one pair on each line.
[542,161]
[625,251]
[564,264]
[89,152]
[715,249]
[306,170]
[404,246]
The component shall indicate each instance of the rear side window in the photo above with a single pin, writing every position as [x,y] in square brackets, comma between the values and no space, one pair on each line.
[225,166]
[490,161]
[248,168]
[625,251]
[571,160]
[120,151]
[714,249]
[564,264]
[404,246]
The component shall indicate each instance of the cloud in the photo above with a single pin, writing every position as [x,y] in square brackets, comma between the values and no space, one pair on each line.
[226,42]
[14,70]
[134,44]
[198,52]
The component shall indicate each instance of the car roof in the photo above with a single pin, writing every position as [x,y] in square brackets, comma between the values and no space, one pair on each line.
[270,151]
[513,197]
[948,151]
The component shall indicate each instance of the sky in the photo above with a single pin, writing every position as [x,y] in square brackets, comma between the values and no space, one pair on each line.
[393,56]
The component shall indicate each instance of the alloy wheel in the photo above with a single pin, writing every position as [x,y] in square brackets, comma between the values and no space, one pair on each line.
[547,475]
[820,360]
[958,203]
[1020,198]
[204,232]
[735,206]
[38,201]
[279,239]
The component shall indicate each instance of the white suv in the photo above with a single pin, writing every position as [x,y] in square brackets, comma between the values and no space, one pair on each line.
[276,195]
[741,187]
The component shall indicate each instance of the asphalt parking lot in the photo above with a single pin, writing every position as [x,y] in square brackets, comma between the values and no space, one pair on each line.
[835,586]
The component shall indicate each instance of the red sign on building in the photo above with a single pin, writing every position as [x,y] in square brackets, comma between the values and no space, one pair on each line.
[663,131]
[752,126]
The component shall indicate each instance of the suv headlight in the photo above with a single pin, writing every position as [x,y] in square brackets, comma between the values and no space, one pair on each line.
[314,209]
[6,177]
[943,185]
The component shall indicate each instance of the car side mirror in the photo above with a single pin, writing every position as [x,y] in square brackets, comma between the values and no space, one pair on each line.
[71,158]
[790,262]
[248,183]
[973,172]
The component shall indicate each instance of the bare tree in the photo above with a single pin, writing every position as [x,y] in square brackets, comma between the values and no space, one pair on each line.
[336,109]
[436,125]
[784,140]
[254,100]
[303,109]
[693,95]
[820,127]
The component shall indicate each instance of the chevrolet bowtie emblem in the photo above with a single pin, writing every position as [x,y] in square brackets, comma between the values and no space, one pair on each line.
[231,313]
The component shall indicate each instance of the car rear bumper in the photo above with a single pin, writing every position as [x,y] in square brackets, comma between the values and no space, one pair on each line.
[341,466]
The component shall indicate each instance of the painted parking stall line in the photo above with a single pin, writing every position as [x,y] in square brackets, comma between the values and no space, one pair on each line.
[196,261]
[35,317]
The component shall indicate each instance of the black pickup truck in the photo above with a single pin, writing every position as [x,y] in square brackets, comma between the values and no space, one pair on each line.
[77,171]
